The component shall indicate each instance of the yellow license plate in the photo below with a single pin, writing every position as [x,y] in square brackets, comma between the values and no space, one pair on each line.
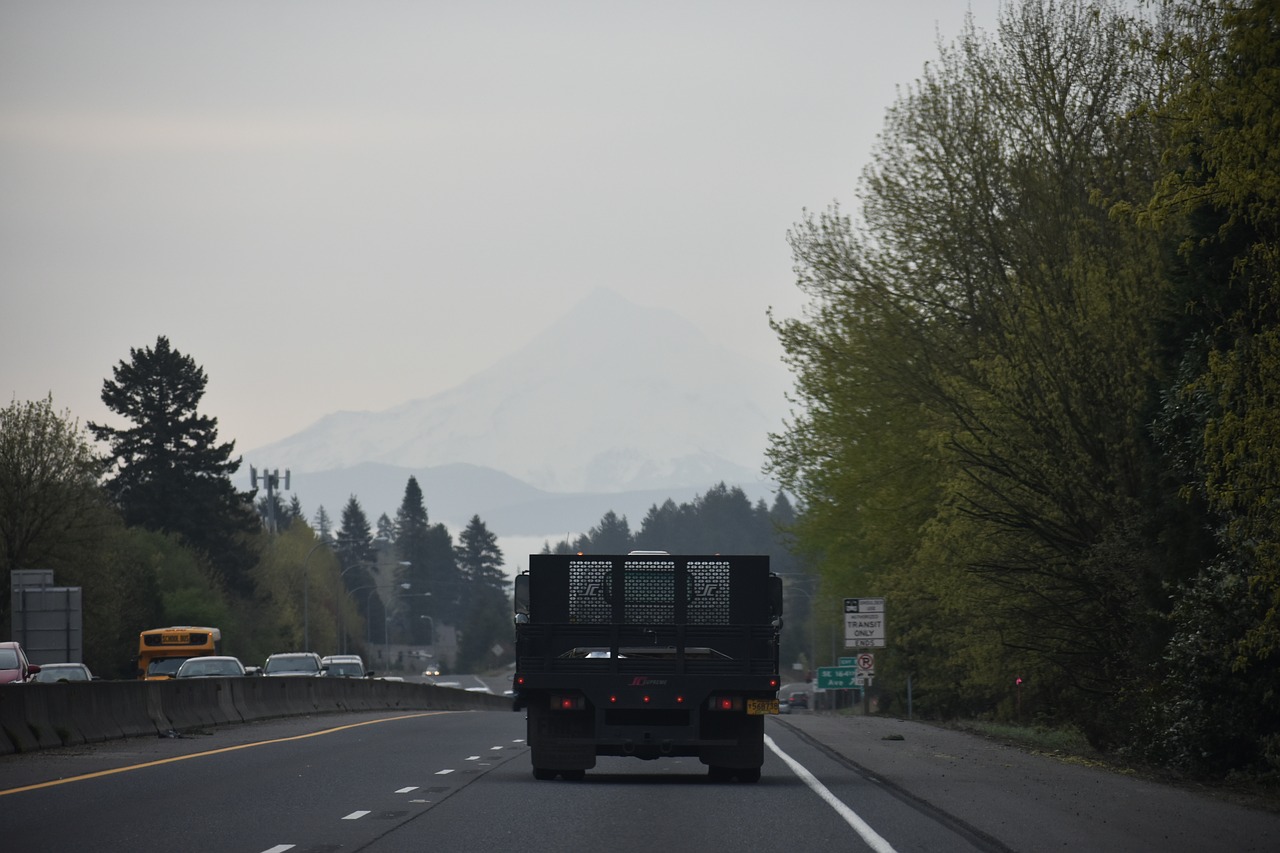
[762,706]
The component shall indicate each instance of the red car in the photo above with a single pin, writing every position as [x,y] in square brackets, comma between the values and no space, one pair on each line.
[14,666]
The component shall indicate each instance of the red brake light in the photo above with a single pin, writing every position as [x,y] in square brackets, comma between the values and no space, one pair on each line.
[567,702]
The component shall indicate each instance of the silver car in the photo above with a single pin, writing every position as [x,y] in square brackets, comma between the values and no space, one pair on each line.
[293,664]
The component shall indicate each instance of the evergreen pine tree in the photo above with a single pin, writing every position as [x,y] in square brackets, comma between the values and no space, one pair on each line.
[323,524]
[412,538]
[479,559]
[170,473]
[355,541]
[612,535]
[282,515]
[487,610]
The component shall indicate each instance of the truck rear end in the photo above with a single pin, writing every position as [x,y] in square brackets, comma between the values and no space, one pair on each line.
[647,655]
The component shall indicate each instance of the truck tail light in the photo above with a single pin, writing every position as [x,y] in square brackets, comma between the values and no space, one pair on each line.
[567,702]
[726,703]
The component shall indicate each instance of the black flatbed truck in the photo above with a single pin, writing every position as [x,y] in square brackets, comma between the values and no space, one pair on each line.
[647,655]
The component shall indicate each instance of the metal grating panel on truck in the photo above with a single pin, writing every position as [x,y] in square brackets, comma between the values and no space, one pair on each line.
[651,592]
[588,592]
[649,587]
[709,592]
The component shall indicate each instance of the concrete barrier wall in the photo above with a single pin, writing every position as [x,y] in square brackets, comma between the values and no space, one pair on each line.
[40,716]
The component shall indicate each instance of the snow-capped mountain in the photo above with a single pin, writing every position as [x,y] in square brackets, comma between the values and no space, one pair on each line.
[611,398]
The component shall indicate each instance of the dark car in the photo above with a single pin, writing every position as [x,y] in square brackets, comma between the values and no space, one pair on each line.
[798,700]
[14,666]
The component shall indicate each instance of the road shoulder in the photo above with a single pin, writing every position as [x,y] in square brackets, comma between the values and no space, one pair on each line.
[1034,802]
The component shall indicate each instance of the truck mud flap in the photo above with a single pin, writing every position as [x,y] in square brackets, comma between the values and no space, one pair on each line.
[560,741]
[746,754]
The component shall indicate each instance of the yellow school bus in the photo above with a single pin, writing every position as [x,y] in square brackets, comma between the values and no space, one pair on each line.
[162,650]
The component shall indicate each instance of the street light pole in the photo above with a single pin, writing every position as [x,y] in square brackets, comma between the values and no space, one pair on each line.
[342,611]
[368,621]
[351,594]
[386,619]
[306,596]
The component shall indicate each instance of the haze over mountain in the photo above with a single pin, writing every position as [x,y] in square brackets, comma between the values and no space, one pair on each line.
[614,406]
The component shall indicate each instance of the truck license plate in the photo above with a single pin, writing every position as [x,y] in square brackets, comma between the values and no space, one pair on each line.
[762,706]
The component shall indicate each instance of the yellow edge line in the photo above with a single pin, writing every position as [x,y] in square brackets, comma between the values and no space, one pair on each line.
[157,763]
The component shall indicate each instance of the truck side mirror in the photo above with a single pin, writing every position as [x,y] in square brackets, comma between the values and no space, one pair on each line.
[522,595]
[775,596]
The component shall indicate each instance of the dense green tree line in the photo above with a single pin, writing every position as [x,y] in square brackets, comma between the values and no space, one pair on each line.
[1037,378]
[720,521]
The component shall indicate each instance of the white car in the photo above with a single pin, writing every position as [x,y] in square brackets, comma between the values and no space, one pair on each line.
[344,666]
[211,666]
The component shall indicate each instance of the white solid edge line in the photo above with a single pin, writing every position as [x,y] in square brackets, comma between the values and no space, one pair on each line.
[860,826]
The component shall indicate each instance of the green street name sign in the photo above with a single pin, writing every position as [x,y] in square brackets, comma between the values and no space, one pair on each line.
[837,677]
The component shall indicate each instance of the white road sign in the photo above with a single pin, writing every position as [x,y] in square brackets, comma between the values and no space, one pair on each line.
[864,623]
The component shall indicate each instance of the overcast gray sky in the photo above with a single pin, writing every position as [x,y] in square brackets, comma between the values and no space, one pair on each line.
[351,205]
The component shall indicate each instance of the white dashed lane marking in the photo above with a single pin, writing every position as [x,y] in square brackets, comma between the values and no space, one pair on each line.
[356,815]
